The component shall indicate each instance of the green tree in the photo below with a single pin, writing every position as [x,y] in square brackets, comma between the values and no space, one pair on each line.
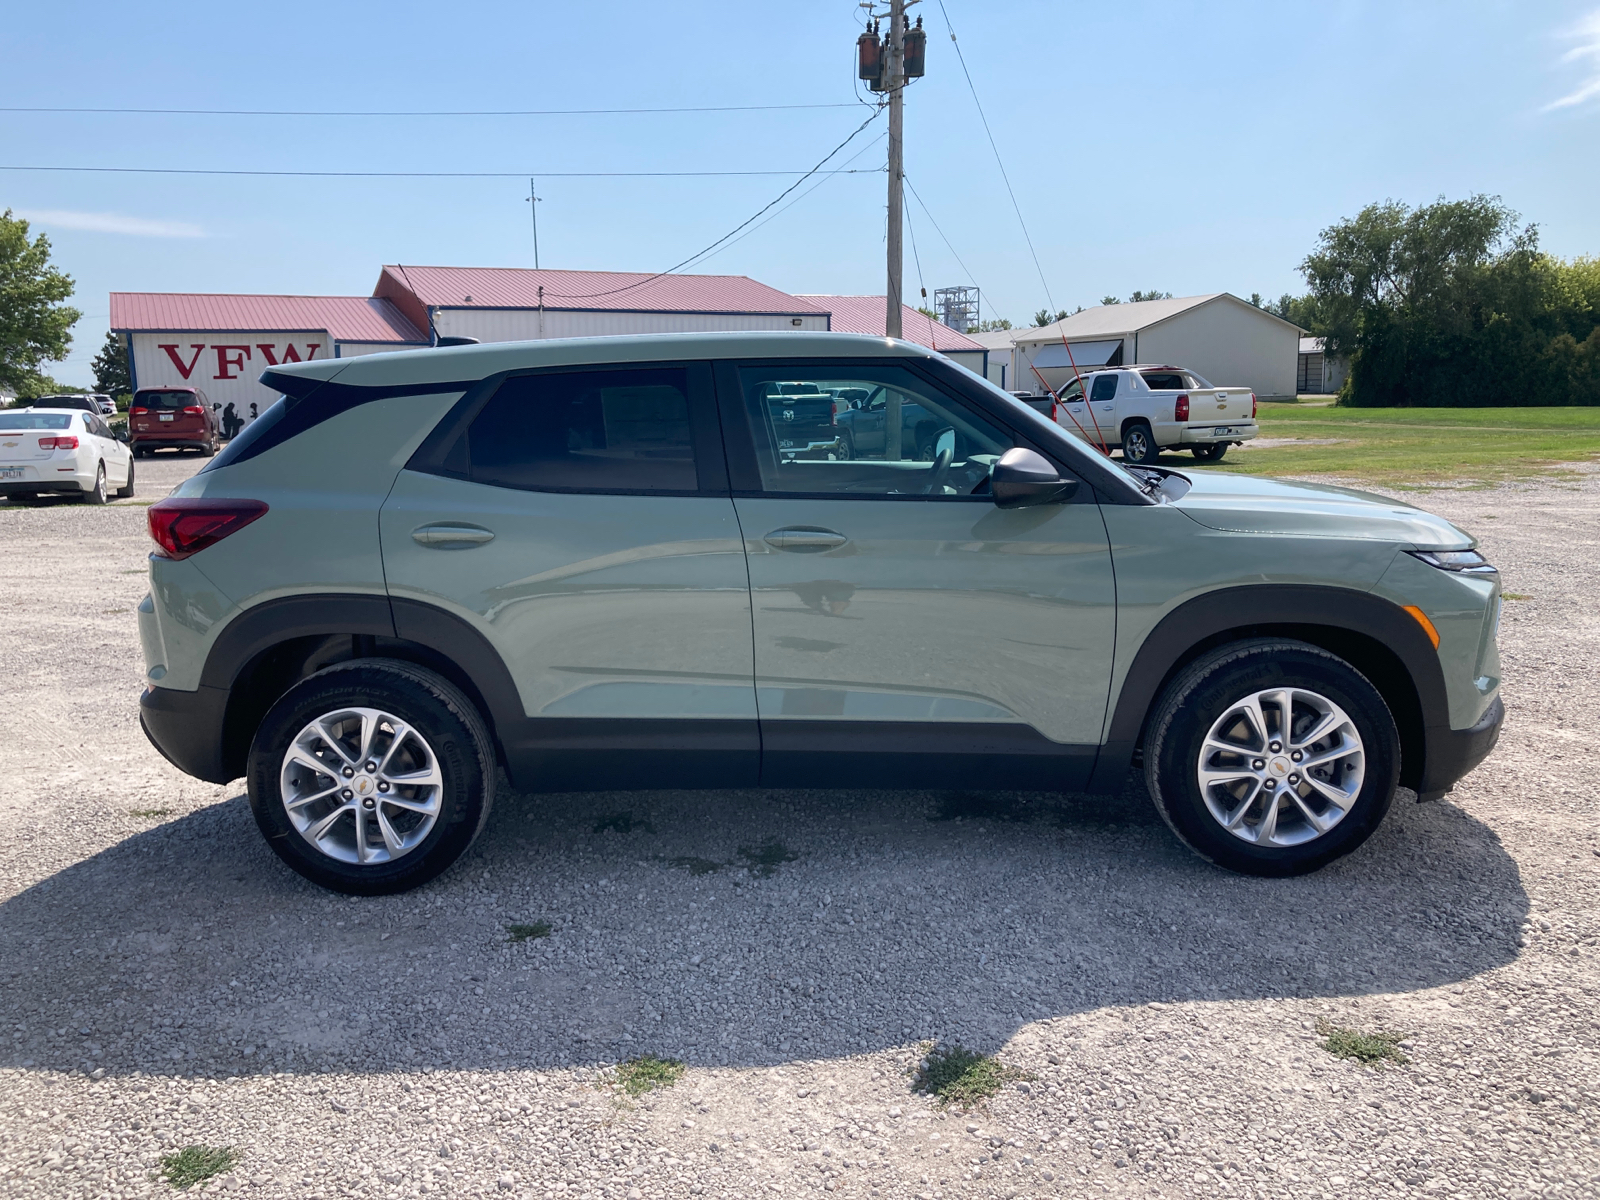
[1137,297]
[1043,317]
[993,325]
[35,322]
[111,368]
[1109,300]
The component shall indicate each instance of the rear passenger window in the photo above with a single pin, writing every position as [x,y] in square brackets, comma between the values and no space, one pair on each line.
[588,431]
[1164,381]
[1105,387]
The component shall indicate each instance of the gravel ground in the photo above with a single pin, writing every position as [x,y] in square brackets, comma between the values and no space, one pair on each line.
[167,982]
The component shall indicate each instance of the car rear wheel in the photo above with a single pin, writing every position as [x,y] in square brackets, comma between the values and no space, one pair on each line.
[371,776]
[126,490]
[97,494]
[1272,757]
[1139,444]
[1211,453]
[207,449]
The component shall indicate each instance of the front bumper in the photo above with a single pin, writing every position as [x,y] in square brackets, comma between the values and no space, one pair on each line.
[187,728]
[1453,753]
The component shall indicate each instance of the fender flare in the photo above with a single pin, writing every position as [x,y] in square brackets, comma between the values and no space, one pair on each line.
[1376,635]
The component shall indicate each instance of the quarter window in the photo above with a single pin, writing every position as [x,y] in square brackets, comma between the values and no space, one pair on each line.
[590,431]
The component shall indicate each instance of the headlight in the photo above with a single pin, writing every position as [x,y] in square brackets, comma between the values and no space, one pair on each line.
[1465,562]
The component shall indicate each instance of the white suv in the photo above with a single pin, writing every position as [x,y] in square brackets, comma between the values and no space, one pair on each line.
[1146,409]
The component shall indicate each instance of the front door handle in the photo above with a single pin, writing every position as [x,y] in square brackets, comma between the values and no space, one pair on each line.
[807,539]
[451,537]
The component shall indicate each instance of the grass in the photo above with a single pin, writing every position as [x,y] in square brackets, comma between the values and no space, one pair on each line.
[1515,596]
[954,1075]
[767,857]
[196,1164]
[622,822]
[1412,447]
[529,933]
[646,1073]
[150,814]
[1368,1049]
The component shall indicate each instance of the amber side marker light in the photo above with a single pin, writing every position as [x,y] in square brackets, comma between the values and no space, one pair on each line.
[1427,625]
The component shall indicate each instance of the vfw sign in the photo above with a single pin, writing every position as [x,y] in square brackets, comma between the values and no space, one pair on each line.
[225,366]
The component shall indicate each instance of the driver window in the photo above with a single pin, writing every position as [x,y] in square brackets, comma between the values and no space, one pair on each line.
[897,436]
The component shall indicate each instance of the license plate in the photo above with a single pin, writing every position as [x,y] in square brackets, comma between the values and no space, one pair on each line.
[10,472]
[1222,430]
[165,416]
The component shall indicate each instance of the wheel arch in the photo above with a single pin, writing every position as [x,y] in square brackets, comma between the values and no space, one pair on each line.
[1377,637]
[1136,419]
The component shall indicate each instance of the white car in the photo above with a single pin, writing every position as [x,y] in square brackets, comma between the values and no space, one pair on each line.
[44,450]
[1147,409]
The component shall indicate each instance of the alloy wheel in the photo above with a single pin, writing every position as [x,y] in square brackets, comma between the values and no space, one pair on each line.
[1281,767]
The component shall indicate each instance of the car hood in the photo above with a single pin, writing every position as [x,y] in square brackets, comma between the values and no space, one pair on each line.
[1246,504]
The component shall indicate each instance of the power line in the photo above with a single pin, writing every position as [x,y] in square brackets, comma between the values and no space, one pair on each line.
[510,112]
[423,174]
[940,231]
[1017,208]
[737,228]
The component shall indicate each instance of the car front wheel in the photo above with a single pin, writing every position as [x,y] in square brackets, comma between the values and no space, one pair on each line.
[126,489]
[371,776]
[97,494]
[1272,757]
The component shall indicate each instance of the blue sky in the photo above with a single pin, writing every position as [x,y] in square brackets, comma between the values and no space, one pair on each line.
[1180,146]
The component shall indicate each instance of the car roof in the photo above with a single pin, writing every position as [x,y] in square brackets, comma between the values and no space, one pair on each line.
[443,364]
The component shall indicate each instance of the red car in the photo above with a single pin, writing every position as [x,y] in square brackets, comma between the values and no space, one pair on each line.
[175,418]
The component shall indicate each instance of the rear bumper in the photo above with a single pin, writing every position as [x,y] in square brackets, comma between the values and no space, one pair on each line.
[187,728]
[1202,435]
[38,487]
[186,442]
[1453,753]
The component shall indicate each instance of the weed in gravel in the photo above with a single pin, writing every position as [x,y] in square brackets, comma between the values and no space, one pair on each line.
[1515,596]
[150,814]
[622,822]
[955,1075]
[528,933]
[767,857]
[695,866]
[647,1072]
[196,1164]
[1369,1049]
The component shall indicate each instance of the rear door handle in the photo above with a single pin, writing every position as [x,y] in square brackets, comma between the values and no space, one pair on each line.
[805,539]
[451,537]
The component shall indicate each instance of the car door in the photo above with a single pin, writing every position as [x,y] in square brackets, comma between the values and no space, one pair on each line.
[579,519]
[113,453]
[1102,408]
[908,631]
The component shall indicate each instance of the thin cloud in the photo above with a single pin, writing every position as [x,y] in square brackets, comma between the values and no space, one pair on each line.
[93,222]
[1586,35]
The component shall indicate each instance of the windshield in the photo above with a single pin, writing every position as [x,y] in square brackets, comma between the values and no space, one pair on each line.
[28,420]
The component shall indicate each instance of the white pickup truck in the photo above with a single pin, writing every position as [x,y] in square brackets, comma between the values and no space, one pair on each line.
[1147,409]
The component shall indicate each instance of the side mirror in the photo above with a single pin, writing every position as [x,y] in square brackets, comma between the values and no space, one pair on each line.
[122,436]
[1023,478]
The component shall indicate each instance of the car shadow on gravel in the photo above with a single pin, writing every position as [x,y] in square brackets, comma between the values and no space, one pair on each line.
[818,924]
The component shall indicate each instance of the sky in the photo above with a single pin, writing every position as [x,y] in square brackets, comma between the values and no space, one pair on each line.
[1181,147]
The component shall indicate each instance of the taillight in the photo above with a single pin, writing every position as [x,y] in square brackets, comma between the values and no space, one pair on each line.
[58,443]
[1180,409]
[182,525]
[138,411]
[1055,411]
[194,410]
[1252,406]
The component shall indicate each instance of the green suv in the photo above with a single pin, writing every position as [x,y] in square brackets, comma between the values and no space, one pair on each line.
[638,563]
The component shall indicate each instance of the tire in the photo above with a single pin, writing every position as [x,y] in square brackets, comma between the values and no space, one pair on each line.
[1139,444]
[446,736]
[847,447]
[1211,453]
[126,490]
[97,495]
[207,449]
[1204,709]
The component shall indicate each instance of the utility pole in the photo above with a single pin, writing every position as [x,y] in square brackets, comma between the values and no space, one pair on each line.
[533,207]
[895,77]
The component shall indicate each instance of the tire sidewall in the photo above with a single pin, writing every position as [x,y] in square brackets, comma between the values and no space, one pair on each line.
[444,720]
[1204,692]
[1140,431]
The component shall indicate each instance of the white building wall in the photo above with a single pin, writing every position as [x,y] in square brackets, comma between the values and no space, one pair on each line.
[225,366]
[525,324]
[1230,343]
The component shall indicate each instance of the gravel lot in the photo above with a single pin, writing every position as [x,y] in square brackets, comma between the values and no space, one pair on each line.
[164,981]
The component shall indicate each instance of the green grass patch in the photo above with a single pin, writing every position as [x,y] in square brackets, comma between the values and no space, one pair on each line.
[1515,596]
[646,1073]
[767,857]
[196,1164]
[622,822]
[954,1075]
[150,814]
[529,933]
[1368,1049]
[1414,447]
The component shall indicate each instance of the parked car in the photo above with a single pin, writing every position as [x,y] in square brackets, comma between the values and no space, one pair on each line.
[1147,409]
[61,450]
[172,418]
[804,416]
[864,430]
[594,564]
[75,400]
